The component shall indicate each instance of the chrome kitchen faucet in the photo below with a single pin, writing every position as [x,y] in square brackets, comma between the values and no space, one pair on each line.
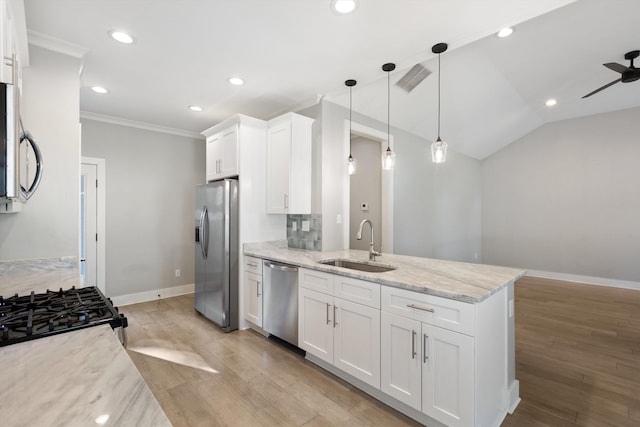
[372,252]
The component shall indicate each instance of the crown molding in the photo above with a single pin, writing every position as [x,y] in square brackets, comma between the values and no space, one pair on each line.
[139,125]
[57,45]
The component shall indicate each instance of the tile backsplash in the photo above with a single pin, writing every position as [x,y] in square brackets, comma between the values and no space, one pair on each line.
[297,238]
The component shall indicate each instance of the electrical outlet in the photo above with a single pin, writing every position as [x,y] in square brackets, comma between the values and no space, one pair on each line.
[338,219]
[294,226]
[178,273]
[305,226]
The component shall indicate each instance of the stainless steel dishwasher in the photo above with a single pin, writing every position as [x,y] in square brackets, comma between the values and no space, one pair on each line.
[280,301]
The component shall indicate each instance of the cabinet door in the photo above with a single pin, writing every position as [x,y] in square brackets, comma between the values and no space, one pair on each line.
[400,358]
[229,153]
[447,376]
[315,323]
[214,154]
[356,340]
[278,157]
[253,298]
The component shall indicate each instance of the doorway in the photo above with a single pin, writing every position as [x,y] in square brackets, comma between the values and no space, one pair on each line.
[92,222]
[373,142]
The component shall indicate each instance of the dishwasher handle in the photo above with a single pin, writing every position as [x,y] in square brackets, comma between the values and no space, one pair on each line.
[281,267]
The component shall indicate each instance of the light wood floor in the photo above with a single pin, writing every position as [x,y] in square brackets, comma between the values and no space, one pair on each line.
[577,355]
[577,359]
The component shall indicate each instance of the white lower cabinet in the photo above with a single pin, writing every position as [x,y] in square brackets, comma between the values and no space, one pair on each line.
[340,332]
[253,290]
[446,359]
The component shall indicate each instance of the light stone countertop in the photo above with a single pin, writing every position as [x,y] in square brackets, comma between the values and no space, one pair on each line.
[73,379]
[449,279]
[23,276]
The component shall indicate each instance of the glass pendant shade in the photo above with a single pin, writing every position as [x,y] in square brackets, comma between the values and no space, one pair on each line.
[439,151]
[388,159]
[352,165]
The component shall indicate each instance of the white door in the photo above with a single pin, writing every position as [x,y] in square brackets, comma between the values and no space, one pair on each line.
[315,323]
[447,376]
[214,157]
[253,298]
[356,340]
[88,225]
[400,359]
[229,155]
[278,158]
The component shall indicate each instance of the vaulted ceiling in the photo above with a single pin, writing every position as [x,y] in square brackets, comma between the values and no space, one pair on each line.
[292,52]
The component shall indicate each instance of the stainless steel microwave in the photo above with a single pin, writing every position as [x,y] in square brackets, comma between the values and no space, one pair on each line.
[11,140]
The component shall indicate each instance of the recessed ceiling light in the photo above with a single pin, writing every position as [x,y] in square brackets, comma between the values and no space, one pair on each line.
[505,32]
[121,36]
[236,81]
[344,6]
[550,102]
[99,89]
[195,108]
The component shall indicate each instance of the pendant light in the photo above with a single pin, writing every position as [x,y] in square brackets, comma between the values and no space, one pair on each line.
[439,147]
[388,157]
[351,162]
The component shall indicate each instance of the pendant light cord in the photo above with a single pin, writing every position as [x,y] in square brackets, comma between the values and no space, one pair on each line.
[439,73]
[349,121]
[388,106]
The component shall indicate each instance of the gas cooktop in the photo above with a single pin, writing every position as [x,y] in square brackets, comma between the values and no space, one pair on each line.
[39,315]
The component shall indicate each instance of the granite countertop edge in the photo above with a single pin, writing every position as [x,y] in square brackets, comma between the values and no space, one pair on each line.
[466,282]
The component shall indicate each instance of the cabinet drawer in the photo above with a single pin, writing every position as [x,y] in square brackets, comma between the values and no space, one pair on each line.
[447,313]
[360,291]
[253,265]
[316,280]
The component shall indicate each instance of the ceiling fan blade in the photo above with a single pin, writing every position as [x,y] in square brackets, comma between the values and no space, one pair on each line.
[616,67]
[603,87]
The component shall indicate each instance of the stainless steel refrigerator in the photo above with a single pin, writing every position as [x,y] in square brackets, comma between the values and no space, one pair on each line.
[216,252]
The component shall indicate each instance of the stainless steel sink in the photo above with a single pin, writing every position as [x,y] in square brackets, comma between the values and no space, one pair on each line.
[358,265]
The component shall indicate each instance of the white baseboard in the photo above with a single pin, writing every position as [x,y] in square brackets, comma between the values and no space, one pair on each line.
[589,280]
[155,294]
[514,396]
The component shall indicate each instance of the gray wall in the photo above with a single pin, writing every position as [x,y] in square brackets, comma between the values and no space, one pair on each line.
[365,187]
[437,206]
[149,208]
[48,225]
[566,198]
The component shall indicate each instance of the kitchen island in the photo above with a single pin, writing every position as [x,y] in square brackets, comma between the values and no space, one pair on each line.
[433,339]
[79,378]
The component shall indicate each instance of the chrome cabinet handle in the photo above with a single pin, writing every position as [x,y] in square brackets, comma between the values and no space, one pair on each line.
[417,307]
[424,347]
[335,323]
[413,344]
[286,201]
[252,264]
[257,288]
[328,320]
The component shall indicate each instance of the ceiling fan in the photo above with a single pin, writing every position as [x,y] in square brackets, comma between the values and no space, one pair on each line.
[629,74]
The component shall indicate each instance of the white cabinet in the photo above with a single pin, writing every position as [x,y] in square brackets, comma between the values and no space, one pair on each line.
[253,290]
[428,368]
[428,354]
[289,165]
[222,154]
[340,331]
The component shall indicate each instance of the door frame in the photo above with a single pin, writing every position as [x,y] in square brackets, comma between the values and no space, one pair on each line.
[100,219]
[386,185]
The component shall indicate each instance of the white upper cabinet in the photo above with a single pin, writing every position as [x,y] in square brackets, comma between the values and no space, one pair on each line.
[289,165]
[222,154]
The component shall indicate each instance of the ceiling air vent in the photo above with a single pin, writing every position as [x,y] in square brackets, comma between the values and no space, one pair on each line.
[413,78]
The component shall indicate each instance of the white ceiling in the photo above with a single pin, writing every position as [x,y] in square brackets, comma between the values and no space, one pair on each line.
[291,52]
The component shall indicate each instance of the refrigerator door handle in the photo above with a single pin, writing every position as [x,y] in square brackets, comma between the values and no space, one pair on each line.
[204,226]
